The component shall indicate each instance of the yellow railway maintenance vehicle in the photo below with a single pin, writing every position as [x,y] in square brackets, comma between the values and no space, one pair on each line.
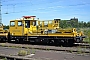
[28,29]
[3,34]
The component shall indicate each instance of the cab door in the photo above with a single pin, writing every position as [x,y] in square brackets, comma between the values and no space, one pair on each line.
[12,27]
[20,28]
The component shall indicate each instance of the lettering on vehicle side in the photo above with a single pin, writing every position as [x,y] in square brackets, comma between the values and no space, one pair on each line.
[16,31]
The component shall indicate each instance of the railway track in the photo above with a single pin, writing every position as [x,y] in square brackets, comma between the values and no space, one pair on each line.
[7,57]
[82,48]
[42,47]
[82,45]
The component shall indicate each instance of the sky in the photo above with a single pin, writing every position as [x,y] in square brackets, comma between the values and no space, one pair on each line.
[45,9]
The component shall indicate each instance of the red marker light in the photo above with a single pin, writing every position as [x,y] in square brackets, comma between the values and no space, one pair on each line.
[29,17]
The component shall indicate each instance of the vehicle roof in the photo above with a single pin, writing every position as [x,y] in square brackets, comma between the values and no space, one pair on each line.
[21,20]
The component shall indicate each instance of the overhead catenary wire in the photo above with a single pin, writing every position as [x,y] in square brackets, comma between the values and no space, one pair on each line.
[24,3]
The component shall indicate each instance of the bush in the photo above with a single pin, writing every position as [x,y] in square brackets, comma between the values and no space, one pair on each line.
[28,52]
[22,53]
[87,33]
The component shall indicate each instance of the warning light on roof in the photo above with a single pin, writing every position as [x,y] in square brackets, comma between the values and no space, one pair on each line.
[27,17]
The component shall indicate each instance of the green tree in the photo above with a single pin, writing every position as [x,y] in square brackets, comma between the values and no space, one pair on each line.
[6,27]
[88,24]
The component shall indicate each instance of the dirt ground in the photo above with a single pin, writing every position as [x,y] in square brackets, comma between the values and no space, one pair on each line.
[53,55]
[46,55]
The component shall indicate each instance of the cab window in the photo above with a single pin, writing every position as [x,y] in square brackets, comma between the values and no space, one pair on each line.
[27,24]
[19,23]
[34,23]
[12,23]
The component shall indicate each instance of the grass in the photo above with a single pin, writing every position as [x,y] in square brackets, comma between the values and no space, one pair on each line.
[87,39]
[47,49]
[22,53]
[86,32]
[71,51]
[79,51]
[3,44]
[18,46]
[28,51]
[33,51]
[4,59]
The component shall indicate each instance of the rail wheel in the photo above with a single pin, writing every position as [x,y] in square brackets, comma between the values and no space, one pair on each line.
[16,41]
[21,41]
[51,42]
[67,43]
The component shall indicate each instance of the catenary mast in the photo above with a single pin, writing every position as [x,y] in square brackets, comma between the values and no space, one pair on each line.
[0,14]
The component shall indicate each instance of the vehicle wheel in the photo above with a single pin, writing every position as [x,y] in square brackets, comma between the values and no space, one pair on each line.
[67,43]
[17,41]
